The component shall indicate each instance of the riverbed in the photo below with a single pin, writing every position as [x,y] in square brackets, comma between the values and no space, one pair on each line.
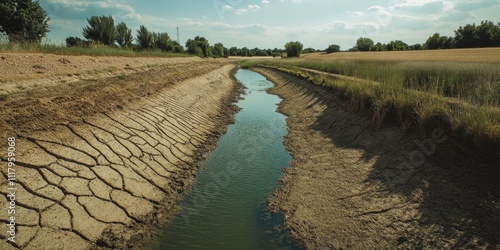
[226,208]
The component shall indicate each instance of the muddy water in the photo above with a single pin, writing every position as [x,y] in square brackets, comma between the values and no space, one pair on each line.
[227,207]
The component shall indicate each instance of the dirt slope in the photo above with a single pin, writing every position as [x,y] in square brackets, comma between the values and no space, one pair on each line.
[355,187]
[101,160]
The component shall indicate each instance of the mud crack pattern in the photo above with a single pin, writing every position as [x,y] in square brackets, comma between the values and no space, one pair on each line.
[115,169]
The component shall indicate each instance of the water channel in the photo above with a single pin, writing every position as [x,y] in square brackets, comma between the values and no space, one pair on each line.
[227,207]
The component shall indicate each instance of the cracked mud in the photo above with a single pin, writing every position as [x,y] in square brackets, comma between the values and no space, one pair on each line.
[100,161]
[352,186]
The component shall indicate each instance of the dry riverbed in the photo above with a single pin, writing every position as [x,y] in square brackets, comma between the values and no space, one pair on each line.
[352,186]
[103,146]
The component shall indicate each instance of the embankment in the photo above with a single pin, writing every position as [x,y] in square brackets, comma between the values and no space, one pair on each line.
[99,162]
[352,186]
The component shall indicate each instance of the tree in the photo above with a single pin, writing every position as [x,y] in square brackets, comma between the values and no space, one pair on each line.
[293,49]
[308,50]
[199,46]
[233,51]
[101,29]
[123,35]
[416,46]
[144,38]
[162,41]
[176,47]
[244,52]
[437,41]
[396,45]
[488,34]
[23,20]
[333,48]
[379,47]
[466,37]
[364,44]
[75,42]
[218,50]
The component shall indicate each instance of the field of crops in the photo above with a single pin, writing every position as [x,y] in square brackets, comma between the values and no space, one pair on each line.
[458,90]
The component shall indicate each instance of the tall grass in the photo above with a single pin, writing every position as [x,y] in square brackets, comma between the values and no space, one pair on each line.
[475,83]
[454,97]
[93,50]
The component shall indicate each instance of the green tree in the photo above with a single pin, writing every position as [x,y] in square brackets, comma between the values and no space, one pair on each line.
[379,47]
[162,41]
[176,47]
[397,45]
[308,50]
[416,46]
[466,37]
[101,29]
[218,50]
[293,49]
[233,51]
[23,20]
[437,41]
[124,36]
[75,42]
[333,48]
[244,52]
[488,34]
[199,46]
[144,38]
[364,44]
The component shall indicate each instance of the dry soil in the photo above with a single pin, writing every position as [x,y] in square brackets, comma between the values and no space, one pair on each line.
[352,186]
[104,146]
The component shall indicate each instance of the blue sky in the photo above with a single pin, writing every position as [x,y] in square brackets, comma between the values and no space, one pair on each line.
[272,23]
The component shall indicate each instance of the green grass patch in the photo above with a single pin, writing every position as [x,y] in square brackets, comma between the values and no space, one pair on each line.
[121,76]
[94,50]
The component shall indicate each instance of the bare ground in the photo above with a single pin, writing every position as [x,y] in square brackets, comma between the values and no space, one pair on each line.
[104,150]
[355,187]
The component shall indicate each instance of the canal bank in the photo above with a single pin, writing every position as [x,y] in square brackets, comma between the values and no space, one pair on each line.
[101,162]
[351,186]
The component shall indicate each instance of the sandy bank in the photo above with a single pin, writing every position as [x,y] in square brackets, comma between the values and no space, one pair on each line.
[100,161]
[355,187]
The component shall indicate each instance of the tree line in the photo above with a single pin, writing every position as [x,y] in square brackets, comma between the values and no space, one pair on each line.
[25,21]
[486,34]
[102,30]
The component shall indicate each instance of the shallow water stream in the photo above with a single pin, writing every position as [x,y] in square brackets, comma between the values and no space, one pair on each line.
[227,207]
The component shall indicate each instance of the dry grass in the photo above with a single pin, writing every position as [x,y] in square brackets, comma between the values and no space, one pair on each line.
[481,55]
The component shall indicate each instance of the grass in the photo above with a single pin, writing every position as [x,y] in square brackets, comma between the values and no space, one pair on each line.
[461,97]
[121,76]
[94,50]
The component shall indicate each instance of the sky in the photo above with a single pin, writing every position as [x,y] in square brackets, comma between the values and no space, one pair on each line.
[272,23]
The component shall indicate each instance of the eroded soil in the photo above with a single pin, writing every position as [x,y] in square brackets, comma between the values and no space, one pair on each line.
[102,157]
[352,186]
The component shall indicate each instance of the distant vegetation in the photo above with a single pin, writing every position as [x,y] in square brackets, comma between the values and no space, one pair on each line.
[293,49]
[23,21]
[486,34]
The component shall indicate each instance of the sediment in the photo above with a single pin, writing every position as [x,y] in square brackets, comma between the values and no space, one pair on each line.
[354,186]
[102,162]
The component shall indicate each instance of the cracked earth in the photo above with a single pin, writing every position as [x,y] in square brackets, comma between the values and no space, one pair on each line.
[353,186]
[103,157]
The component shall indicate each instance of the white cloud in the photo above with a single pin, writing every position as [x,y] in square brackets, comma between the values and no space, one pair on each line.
[249,8]
[227,7]
[357,14]
[265,2]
